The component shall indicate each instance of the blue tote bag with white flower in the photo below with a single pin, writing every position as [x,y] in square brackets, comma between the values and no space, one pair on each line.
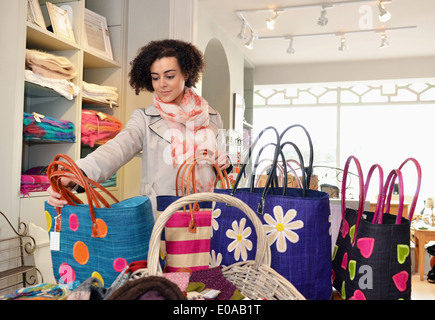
[296,221]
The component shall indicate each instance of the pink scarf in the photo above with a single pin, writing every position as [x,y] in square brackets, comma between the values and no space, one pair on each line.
[190,133]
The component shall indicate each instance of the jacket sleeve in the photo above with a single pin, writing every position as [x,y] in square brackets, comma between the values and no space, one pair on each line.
[107,159]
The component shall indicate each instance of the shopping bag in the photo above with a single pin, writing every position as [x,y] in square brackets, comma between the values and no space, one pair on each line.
[185,241]
[371,259]
[296,221]
[94,239]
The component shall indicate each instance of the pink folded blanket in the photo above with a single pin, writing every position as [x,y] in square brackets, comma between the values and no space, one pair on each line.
[98,127]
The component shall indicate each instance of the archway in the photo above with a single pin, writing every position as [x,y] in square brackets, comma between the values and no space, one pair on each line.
[216,81]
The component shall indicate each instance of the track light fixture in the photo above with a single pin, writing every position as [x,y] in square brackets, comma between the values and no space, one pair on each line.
[384,15]
[250,44]
[343,45]
[242,33]
[290,49]
[323,20]
[271,21]
[384,42]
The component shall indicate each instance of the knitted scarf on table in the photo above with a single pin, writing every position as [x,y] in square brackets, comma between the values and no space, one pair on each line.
[190,134]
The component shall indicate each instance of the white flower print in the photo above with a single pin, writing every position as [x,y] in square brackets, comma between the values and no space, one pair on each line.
[214,215]
[241,243]
[279,228]
[215,259]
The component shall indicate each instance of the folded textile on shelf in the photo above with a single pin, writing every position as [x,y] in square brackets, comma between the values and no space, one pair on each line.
[64,87]
[34,179]
[98,127]
[49,65]
[100,92]
[47,128]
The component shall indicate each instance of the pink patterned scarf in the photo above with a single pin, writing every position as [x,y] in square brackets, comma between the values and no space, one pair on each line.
[190,133]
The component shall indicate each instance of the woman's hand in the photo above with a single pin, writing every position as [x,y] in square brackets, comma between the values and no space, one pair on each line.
[222,160]
[54,197]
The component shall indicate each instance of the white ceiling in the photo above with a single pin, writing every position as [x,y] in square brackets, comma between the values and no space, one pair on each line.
[416,42]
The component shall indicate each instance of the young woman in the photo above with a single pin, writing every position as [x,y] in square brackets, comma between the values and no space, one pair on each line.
[178,124]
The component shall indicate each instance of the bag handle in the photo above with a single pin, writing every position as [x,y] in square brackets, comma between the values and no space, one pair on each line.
[191,173]
[301,161]
[273,173]
[309,170]
[72,171]
[260,208]
[221,175]
[263,255]
[389,186]
[345,225]
[380,203]
[417,190]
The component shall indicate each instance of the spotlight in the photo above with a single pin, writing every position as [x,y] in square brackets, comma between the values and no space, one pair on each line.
[271,21]
[384,42]
[242,33]
[384,15]
[250,43]
[343,45]
[323,20]
[290,49]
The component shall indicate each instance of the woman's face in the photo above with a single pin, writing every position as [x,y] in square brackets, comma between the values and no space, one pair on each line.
[168,80]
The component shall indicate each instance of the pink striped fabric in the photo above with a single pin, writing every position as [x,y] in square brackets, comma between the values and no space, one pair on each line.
[187,247]
[182,219]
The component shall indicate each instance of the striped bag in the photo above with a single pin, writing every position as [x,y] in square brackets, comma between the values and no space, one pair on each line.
[185,241]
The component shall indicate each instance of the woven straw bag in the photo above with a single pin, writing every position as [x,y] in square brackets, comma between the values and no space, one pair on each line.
[254,279]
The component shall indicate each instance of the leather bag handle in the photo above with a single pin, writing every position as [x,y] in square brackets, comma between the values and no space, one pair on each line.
[68,169]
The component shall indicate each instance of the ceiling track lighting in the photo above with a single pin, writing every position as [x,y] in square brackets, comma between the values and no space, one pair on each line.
[290,49]
[343,45]
[384,15]
[242,33]
[270,23]
[384,41]
[250,44]
[323,20]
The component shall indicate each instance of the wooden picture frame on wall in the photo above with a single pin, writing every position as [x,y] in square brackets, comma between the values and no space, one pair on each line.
[60,22]
[96,35]
[34,13]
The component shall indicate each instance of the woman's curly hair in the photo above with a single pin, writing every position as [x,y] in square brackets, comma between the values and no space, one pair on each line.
[190,59]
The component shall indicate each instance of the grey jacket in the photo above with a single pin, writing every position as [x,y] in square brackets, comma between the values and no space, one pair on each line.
[148,133]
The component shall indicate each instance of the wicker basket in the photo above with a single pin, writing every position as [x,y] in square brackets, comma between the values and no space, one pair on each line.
[254,279]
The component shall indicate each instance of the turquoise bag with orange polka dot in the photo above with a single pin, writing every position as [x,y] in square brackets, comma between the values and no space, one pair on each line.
[371,258]
[98,239]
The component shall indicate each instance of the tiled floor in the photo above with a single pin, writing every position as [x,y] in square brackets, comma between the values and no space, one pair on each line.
[422,290]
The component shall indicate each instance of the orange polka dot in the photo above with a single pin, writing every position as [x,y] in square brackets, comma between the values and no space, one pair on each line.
[81,252]
[102,227]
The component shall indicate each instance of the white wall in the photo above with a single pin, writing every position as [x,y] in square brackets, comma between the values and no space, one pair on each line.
[410,68]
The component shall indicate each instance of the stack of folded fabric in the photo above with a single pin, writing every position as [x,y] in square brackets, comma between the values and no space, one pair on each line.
[51,71]
[34,179]
[98,128]
[49,65]
[42,127]
[99,92]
